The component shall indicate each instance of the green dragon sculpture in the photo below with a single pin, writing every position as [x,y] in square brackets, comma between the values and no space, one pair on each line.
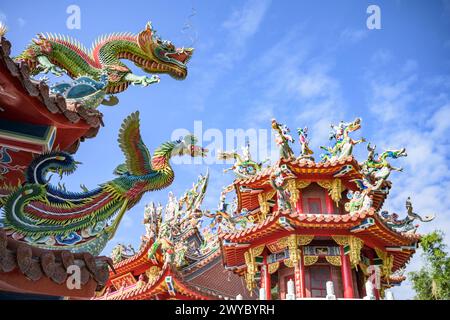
[51,217]
[380,168]
[101,71]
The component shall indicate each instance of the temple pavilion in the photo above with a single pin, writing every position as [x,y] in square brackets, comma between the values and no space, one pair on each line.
[302,228]
[311,228]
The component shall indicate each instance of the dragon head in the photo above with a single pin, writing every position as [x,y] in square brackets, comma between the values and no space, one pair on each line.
[163,56]
[354,125]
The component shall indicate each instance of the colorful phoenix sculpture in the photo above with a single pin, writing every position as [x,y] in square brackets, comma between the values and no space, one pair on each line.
[100,71]
[50,217]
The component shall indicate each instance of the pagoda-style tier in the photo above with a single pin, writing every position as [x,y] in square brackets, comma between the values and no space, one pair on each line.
[302,228]
[335,176]
[281,224]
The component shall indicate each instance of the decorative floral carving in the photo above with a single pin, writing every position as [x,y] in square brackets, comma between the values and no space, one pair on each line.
[288,263]
[294,253]
[388,262]
[355,245]
[341,240]
[304,240]
[250,281]
[152,273]
[293,191]
[310,260]
[334,187]
[263,201]
[273,267]
[334,260]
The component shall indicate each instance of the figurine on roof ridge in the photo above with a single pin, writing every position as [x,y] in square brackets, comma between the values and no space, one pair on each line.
[180,217]
[282,139]
[305,152]
[406,224]
[343,145]
[244,166]
[379,168]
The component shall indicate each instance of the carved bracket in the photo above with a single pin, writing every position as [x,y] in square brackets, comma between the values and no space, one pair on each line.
[334,187]
[355,244]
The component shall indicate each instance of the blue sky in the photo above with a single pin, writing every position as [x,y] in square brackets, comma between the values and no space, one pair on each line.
[304,63]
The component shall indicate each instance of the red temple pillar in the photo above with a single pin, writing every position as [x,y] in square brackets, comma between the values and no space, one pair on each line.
[329,203]
[346,270]
[299,205]
[301,291]
[265,279]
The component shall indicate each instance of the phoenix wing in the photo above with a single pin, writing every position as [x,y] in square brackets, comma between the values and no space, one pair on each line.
[138,159]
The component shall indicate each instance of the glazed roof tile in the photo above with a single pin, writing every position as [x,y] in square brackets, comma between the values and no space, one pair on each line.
[20,260]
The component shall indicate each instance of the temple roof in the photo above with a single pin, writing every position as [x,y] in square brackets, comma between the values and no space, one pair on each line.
[27,269]
[282,224]
[29,102]
[306,170]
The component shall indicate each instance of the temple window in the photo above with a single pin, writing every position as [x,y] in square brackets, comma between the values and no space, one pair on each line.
[314,205]
[319,275]
[314,198]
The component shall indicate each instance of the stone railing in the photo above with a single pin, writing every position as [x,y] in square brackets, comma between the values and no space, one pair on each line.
[331,294]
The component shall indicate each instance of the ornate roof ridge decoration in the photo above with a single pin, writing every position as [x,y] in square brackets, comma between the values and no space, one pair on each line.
[48,270]
[300,163]
[53,102]
[244,166]
[345,221]
[158,284]
[141,254]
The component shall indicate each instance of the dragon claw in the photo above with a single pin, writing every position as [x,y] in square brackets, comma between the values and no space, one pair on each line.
[53,70]
[146,81]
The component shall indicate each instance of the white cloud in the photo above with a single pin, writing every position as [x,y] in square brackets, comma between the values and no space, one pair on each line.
[413,113]
[244,22]
[353,36]
[240,26]
[381,57]
[22,22]
[3,17]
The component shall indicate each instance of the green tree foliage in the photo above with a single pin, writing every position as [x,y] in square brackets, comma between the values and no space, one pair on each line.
[432,281]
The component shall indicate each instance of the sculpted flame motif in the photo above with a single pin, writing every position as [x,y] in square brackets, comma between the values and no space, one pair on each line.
[51,217]
[101,71]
